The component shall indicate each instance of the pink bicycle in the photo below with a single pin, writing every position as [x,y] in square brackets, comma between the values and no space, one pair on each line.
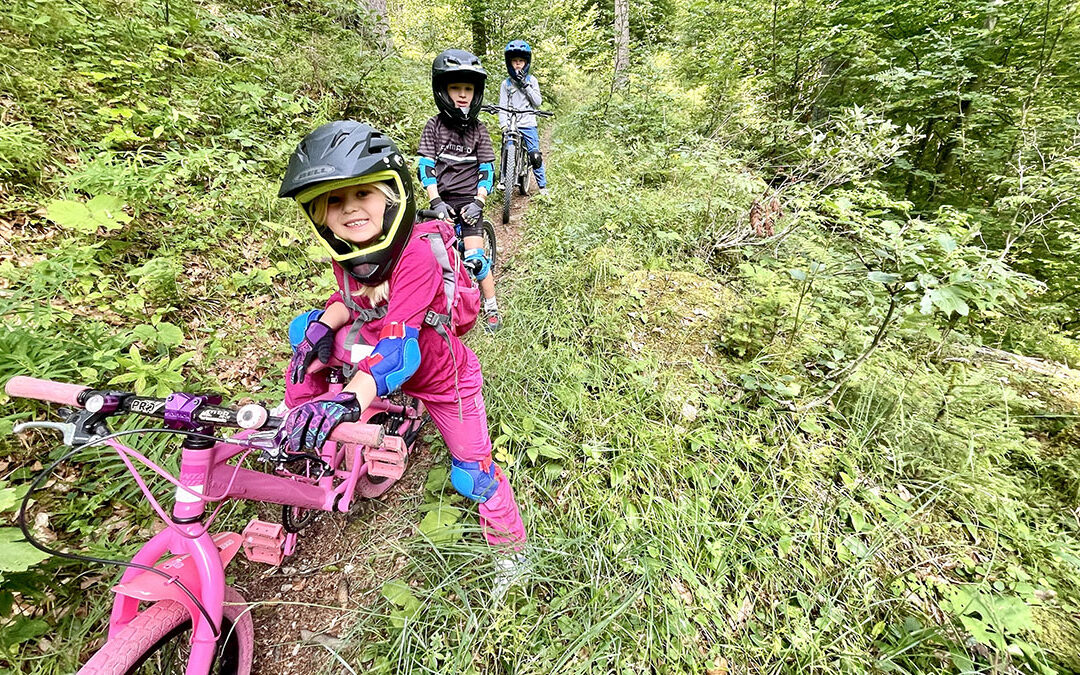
[176,614]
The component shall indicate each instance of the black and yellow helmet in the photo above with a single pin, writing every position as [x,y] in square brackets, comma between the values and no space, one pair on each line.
[339,154]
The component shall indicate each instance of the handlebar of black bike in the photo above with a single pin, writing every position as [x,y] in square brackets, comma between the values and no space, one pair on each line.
[492,109]
[426,214]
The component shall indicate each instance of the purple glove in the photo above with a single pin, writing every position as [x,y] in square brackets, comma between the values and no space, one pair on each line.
[473,213]
[308,426]
[318,341]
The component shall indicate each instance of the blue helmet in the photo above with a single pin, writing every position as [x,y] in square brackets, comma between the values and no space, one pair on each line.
[518,49]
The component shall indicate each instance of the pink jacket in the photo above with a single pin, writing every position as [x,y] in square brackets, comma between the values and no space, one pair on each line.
[416,286]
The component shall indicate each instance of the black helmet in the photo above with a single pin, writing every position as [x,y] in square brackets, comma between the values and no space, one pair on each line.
[518,49]
[457,65]
[343,153]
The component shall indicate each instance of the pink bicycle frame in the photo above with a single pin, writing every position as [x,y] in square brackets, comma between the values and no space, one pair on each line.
[199,558]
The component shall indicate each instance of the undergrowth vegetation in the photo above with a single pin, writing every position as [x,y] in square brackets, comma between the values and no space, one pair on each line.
[695,501]
[805,435]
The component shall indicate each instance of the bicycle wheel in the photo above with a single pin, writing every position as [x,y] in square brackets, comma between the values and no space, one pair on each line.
[525,172]
[158,641]
[489,242]
[509,175]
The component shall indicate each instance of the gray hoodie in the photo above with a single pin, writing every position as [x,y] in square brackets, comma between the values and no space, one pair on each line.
[513,96]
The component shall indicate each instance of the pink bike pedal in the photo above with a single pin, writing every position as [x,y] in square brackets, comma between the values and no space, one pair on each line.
[387,461]
[264,542]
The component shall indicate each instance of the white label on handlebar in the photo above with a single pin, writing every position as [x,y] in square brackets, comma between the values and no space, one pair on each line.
[187,494]
[146,406]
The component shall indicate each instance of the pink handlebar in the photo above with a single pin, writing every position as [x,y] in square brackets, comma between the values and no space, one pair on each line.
[358,434]
[44,390]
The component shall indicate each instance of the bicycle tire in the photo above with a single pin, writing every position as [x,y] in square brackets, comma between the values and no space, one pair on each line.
[490,246]
[294,518]
[508,184]
[153,630]
[525,172]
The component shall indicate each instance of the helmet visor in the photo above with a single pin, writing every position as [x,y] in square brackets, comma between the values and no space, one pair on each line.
[342,250]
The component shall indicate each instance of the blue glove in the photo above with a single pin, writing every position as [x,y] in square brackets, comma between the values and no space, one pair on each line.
[442,210]
[308,426]
[318,341]
[473,213]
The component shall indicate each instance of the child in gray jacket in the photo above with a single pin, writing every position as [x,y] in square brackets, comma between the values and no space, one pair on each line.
[522,91]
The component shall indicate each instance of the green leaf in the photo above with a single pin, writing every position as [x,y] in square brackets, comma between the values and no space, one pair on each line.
[440,525]
[883,277]
[632,514]
[179,361]
[436,479]
[169,334]
[8,499]
[145,333]
[16,555]
[71,215]
[397,592]
[797,275]
[946,242]
[22,630]
[783,545]
[106,205]
[949,300]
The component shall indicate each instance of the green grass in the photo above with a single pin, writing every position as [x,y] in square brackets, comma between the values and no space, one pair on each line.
[918,524]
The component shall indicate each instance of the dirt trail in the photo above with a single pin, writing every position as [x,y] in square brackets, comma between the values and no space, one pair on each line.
[342,561]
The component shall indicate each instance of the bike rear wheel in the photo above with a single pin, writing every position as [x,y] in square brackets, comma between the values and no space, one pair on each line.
[509,176]
[158,640]
[524,181]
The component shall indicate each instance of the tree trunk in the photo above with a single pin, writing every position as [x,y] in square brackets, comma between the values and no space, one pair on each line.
[946,149]
[477,12]
[622,42]
[927,131]
[380,25]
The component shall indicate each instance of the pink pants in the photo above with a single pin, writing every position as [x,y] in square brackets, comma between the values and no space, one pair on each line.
[468,440]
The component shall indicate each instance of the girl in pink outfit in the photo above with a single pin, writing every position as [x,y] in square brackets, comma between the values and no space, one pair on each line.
[353,185]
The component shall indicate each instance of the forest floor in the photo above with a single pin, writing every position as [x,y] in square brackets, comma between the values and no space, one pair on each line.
[301,608]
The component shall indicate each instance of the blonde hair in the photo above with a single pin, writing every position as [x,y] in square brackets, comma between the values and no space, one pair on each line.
[376,294]
[316,208]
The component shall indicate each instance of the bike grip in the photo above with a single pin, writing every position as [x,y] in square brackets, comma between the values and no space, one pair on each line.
[44,390]
[357,433]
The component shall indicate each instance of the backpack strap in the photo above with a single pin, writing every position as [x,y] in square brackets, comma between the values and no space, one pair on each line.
[442,256]
[363,315]
[439,322]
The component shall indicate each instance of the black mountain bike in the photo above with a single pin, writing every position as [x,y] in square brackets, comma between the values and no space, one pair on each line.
[516,168]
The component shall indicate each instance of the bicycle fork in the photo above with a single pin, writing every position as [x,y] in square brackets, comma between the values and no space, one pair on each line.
[198,565]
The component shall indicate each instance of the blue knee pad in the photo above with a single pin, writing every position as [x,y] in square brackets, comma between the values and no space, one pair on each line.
[472,481]
[298,326]
[476,260]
